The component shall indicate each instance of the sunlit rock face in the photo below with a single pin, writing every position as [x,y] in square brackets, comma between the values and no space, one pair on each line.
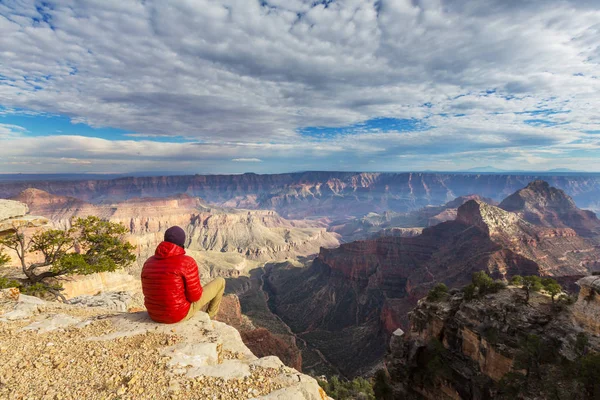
[15,214]
[100,282]
[222,240]
[586,311]
[541,204]
[480,341]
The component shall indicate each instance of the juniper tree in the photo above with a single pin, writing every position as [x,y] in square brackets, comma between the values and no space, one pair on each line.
[90,245]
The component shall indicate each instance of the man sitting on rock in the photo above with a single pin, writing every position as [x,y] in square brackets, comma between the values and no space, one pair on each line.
[171,283]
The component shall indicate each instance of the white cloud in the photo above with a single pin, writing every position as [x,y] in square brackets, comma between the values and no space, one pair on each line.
[242,78]
[251,160]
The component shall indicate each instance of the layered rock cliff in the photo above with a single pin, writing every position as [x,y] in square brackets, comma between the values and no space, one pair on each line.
[222,240]
[15,215]
[405,224]
[544,205]
[315,193]
[497,346]
[52,350]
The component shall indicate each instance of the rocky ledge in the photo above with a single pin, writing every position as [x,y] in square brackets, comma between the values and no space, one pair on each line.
[61,351]
[13,215]
[496,347]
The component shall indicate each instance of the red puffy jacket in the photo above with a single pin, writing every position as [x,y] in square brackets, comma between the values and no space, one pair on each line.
[170,282]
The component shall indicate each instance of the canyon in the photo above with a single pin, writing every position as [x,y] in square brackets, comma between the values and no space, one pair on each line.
[351,298]
[323,268]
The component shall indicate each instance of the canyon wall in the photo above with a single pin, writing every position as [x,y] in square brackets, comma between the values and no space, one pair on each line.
[299,195]
[493,347]
[224,241]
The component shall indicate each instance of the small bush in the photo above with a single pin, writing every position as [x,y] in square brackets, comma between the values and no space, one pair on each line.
[359,388]
[6,283]
[439,292]
[482,284]
[470,291]
[517,280]
[481,279]
[381,386]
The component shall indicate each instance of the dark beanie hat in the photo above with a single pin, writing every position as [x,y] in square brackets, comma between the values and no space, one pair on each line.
[175,235]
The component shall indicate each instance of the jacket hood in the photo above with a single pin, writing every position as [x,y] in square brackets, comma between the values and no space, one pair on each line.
[167,249]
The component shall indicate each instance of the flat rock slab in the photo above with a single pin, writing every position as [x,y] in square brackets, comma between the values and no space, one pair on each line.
[25,308]
[192,354]
[306,390]
[131,324]
[268,362]
[229,369]
[11,209]
[58,321]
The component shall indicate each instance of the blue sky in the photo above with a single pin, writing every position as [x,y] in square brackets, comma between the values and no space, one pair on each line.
[231,86]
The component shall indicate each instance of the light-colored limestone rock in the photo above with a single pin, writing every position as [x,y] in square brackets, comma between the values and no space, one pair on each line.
[228,369]
[25,308]
[90,285]
[11,209]
[197,354]
[268,362]
[10,294]
[58,321]
[306,388]
[586,311]
[117,301]
[193,355]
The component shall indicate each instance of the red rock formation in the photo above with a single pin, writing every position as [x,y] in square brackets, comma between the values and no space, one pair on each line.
[407,224]
[262,342]
[541,204]
[369,286]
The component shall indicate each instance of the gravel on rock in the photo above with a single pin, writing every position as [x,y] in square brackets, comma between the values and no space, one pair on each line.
[62,364]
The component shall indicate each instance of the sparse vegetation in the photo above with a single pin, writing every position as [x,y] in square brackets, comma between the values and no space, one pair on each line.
[482,284]
[434,359]
[381,386]
[535,284]
[439,292]
[91,245]
[589,375]
[516,280]
[4,258]
[358,388]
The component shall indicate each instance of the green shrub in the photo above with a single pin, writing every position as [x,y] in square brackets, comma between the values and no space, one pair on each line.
[439,292]
[482,284]
[531,283]
[381,386]
[358,388]
[481,279]
[589,375]
[6,283]
[470,291]
[516,280]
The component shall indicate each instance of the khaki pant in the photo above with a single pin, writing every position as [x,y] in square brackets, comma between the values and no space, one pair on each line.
[212,294]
